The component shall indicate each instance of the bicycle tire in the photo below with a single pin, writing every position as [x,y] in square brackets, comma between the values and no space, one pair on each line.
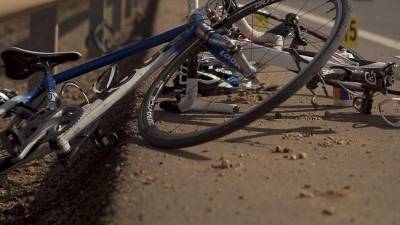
[167,140]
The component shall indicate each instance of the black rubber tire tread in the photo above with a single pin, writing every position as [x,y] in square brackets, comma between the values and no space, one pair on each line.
[170,141]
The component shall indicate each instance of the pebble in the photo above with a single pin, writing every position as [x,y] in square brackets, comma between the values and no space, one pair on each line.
[303,155]
[329,211]
[224,164]
[149,180]
[168,186]
[347,187]
[293,157]
[287,150]
[306,194]
[278,149]
[278,116]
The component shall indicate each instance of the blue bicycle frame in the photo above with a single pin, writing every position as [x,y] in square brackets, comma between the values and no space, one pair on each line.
[51,81]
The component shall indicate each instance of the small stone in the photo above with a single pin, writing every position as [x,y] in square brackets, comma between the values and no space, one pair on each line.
[329,211]
[307,186]
[303,155]
[168,186]
[293,157]
[347,187]
[241,197]
[278,149]
[149,180]
[306,194]
[118,169]
[278,116]
[224,164]
[287,150]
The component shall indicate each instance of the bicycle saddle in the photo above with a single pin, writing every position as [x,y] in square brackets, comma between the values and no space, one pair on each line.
[21,64]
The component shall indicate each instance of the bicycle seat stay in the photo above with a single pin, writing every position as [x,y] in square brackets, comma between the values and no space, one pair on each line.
[20,64]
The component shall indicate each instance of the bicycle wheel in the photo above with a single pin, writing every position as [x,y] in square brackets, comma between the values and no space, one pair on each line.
[164,124]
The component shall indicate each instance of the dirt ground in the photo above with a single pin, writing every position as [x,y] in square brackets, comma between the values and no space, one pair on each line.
[334,166]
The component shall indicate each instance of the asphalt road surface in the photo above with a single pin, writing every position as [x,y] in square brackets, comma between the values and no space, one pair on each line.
[380,18]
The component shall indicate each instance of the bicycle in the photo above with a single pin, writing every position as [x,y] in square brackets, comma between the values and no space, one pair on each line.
[346,69]
[66,127]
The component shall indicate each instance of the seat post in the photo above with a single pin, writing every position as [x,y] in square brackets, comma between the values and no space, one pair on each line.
[51,89]
[49,84]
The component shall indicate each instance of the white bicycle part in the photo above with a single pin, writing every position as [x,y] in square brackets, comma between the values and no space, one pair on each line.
[191,103]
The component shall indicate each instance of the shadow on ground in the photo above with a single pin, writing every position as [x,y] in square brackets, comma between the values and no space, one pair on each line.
[79,192]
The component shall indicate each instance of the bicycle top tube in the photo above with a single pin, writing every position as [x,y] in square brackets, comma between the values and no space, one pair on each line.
[108,59]
[120,54]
